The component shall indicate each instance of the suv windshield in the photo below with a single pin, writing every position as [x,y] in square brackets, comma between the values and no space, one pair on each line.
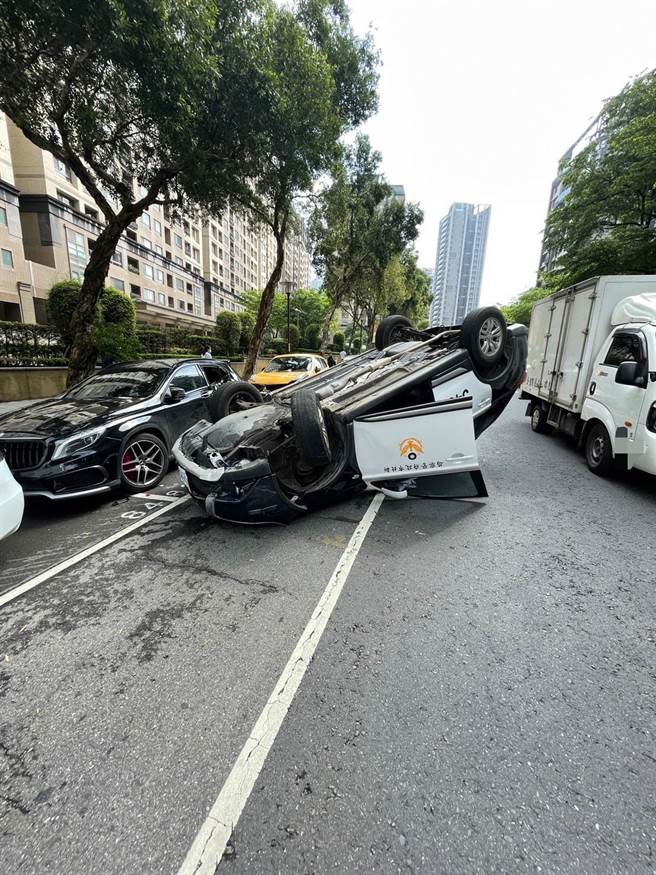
[293,363]
[119,384]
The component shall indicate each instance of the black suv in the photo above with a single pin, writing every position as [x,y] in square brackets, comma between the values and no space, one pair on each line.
[114,429]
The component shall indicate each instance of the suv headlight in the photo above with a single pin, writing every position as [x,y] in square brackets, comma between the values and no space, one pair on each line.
[76,443]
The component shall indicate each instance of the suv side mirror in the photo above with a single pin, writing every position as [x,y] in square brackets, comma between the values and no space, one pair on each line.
[631,374]
[174,394]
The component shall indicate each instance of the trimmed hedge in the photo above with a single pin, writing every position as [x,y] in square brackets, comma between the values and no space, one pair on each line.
[30,345]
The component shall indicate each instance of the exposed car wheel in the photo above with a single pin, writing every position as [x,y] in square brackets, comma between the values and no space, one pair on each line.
[598,451]
[144,462]
[390,330]
[229,398]
[310,432]
[539,422]
[483,335]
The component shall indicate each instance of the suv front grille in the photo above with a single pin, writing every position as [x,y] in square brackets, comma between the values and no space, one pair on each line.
[23,454]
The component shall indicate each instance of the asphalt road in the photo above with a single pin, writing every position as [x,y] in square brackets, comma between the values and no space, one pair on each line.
[482,699]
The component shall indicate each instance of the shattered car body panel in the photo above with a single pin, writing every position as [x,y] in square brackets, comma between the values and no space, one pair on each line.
[416,407]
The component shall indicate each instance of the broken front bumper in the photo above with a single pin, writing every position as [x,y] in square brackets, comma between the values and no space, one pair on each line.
[247,493]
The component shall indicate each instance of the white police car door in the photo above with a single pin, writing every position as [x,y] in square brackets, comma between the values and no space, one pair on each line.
[431,440]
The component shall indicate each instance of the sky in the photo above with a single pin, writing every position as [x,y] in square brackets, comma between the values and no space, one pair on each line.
[480,98]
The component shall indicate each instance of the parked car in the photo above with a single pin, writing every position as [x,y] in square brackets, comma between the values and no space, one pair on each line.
[592,370]
[11,501]
[399,417]
[115,429]
[285,369]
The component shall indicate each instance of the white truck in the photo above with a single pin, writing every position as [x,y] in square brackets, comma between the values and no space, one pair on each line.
[591,370]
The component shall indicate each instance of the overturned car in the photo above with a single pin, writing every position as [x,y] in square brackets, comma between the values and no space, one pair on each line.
[402,417]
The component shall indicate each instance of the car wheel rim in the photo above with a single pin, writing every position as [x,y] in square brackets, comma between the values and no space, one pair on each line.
[142,463]
[490,337]
[597,449]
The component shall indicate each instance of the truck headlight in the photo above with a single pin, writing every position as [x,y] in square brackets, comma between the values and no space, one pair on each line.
[78,442]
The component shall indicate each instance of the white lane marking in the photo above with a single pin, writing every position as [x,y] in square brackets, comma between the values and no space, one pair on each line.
[152,496]
[83,554]
[207,848]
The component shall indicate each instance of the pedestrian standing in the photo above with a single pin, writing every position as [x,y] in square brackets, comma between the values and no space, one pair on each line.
[331,361]
[207,352]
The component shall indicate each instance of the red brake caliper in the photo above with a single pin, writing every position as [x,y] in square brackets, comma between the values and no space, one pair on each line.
[127,458]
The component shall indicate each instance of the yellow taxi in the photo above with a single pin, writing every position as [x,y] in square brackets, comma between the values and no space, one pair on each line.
[285,369]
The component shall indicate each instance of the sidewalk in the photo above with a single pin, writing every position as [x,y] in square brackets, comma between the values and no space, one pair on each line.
[10,406]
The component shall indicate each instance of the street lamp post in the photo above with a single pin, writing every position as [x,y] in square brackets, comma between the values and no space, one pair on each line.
[287,289]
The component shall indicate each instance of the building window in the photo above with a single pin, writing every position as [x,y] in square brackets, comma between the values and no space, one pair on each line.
[77,254]
[3,216]
[169,280]
[159,276]
[149,272]
[171,301]
[7,258]
[179,261]
[145,242]
[179,284]
[187,248]
[145,218]
[158,249]
[190,308]
[63,169]
[89,211]
[195,235]
[117,283]
[181,305]
[117,258]
[215,250]
[158,227]
[68,200]
[148,295]
[161,299]
[133,265]
[196,254]
[177,239]
[185,226]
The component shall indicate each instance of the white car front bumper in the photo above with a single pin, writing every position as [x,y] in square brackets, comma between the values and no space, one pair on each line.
[12,502]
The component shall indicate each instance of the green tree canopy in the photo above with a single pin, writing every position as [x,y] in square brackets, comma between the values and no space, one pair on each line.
[606,222]
[141,101]
[228,332]
[519,310]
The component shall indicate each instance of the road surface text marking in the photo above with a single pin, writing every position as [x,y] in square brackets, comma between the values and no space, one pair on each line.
[83,554]
[207,849]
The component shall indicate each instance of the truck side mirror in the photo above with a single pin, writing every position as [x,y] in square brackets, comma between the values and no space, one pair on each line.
[631,374]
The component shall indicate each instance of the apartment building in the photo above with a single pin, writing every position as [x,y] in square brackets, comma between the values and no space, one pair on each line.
[177,269]
[458,273]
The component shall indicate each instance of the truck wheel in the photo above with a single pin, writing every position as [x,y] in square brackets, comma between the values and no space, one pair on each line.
[310,432]
[483,335]
[539,420]
[228,398]
[598,451]
[390,331]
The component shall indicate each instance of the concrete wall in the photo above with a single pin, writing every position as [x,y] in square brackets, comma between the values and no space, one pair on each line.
[23,384]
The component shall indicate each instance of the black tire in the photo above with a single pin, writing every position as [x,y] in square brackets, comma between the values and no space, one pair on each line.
[310,432]
[599,451]
[225,399]
[388,332]
[539,422]
[143,462]
[483,335]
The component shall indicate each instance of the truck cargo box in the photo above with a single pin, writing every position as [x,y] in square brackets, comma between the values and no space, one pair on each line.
[566,333]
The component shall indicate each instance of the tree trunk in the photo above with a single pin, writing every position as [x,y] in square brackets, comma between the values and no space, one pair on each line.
[327,319]
[82,355]
[266,305]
